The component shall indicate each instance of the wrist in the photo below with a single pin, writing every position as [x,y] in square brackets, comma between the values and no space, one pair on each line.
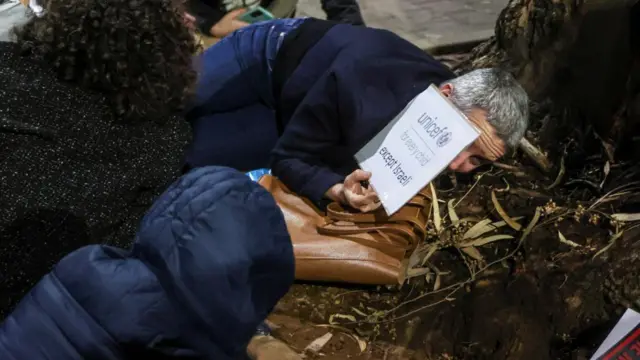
[335,193]
[216,31]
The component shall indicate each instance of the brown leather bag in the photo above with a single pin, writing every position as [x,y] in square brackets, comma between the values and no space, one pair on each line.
[349,246]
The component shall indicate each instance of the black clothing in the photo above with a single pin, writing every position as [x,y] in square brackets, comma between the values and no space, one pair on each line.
[70,175]
[336,87]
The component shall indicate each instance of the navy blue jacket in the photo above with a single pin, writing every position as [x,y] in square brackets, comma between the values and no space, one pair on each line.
[348,85]
[211,259]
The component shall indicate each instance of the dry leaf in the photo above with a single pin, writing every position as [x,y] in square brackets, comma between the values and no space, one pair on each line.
[452,213]
[469,219]
[512,223]
[489,228]
[361,343]
[414,259]
[341,316]
[402,274]
[626,217]
[532,224]
[560,175]
[611,242]
[485,240]
[436,286]
[429,277]
[432,250]
[473,252]
[337,327]
[607,169]
[437,220]
[411,273]
[565,241]
[316,345]
[485,228]
[499,224]
[478,229]
[358,311]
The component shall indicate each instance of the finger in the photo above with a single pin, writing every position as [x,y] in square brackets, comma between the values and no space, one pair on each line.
[371,207]
[361,175]
[369,190]
[373,196]
[189,18]
[355,188]
[237,12]
[358,201]
[357,176]
[189,21]
[354,200]
[372,201]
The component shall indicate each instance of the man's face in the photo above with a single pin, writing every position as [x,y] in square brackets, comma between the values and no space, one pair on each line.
[487,147]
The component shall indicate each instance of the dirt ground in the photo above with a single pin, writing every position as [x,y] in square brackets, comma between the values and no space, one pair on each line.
[555,298]
[553,291]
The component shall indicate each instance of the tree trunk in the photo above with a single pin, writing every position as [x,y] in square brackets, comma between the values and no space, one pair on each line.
[580,55]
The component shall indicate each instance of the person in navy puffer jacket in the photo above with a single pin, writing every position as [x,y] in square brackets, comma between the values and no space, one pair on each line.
[210,260]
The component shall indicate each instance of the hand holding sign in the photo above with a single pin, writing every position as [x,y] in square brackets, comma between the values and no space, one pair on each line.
[356,195]
[415,147]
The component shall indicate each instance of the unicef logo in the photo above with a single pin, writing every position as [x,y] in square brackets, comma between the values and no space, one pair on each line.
[444,139]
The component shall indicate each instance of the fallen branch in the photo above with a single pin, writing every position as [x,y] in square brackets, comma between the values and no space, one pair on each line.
[536,155]
[626,217]
[454,288]
[621,190]
[506,167]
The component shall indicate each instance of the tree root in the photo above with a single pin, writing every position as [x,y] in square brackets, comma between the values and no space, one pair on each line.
[536,156]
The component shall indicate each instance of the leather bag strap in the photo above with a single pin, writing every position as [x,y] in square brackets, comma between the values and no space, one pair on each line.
[408,213]
[398,231]
[382,238]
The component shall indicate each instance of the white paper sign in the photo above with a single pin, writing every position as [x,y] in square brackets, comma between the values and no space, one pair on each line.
[415,147]
[629,320]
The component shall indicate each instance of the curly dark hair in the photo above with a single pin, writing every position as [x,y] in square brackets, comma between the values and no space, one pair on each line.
[138,53]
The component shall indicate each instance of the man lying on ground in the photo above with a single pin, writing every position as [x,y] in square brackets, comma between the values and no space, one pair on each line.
[210,260]
[311,93]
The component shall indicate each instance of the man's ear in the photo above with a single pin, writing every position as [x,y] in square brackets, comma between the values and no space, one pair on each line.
[446,89]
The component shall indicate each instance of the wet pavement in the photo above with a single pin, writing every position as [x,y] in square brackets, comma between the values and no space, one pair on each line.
[426,23]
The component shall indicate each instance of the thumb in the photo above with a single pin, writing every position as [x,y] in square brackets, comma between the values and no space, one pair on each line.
[356,177]
[361,175]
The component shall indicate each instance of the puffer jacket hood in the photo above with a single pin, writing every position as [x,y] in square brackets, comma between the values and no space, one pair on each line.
[211,259]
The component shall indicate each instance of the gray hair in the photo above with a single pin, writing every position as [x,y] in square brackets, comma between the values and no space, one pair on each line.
[500,95]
